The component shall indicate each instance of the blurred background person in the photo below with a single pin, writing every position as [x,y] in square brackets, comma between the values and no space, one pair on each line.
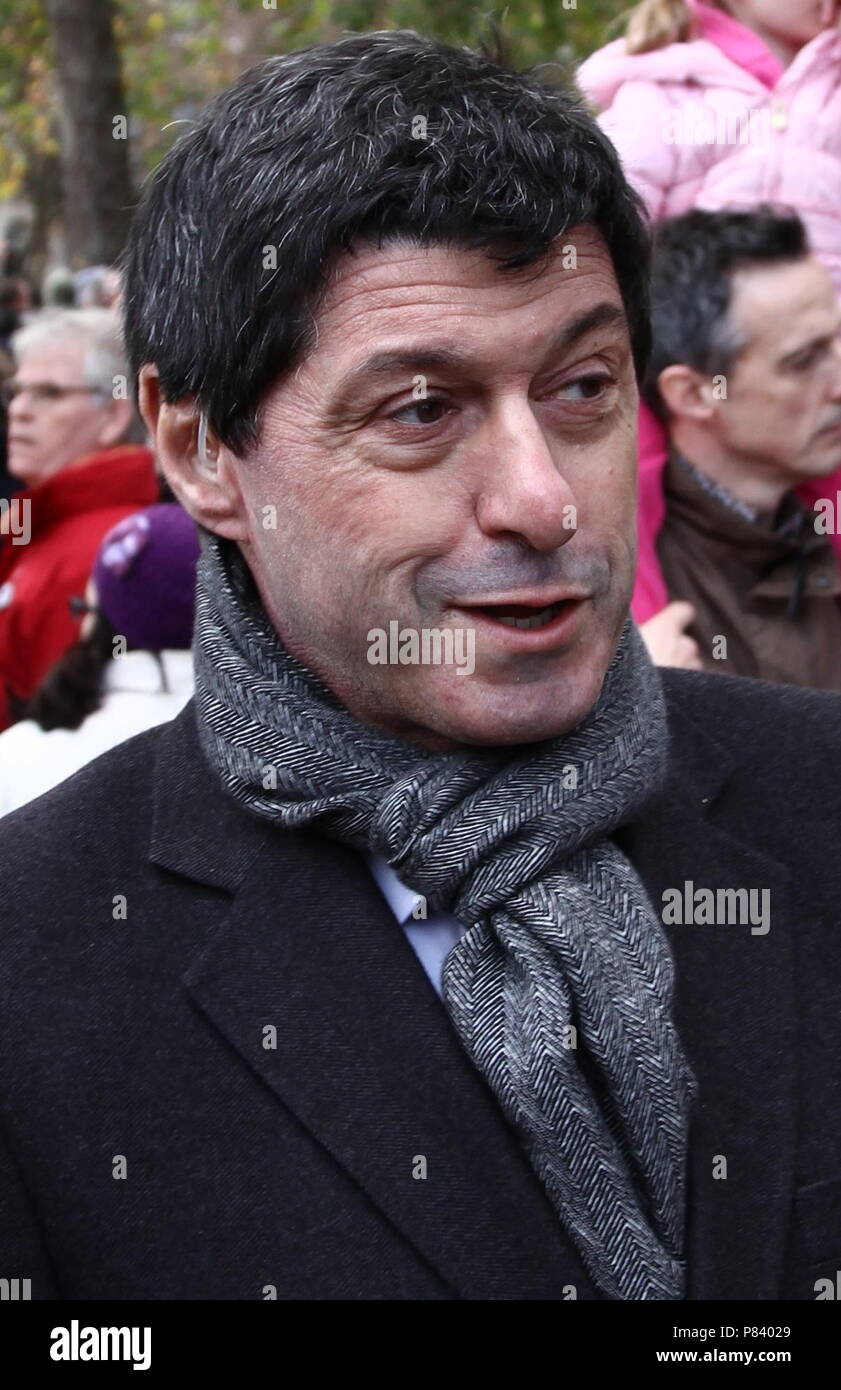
[9,325]
[69,427]
[10,322]
[672,94]
[722,104]
[59,289]
[745,376]
[21,294]
[131,666]
[97,285]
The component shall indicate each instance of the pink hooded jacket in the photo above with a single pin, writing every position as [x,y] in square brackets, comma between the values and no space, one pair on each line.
[719,122]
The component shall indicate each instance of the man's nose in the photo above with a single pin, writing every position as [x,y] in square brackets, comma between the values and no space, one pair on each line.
[20,406]
[523,491]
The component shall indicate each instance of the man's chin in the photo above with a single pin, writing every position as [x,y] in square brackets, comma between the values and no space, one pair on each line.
[492,714]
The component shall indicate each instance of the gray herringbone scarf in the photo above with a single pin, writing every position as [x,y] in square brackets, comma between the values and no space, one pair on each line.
[561,988]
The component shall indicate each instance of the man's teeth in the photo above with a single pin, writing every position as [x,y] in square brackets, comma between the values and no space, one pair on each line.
[539,618]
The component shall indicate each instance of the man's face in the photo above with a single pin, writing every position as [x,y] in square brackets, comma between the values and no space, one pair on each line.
[783,408]
[459,447]
[55,418]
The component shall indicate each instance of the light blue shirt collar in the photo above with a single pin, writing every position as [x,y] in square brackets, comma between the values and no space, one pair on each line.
[404,902]
[431,935]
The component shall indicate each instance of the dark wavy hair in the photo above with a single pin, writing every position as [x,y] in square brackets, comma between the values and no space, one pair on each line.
[695,257]
[74,685]
[313,152]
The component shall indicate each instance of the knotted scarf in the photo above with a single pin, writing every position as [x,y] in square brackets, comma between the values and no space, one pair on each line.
[561,987]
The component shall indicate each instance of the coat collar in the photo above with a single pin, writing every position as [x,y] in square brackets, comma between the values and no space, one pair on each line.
[305,942]
[200,832]
[780,557]
[197,830]
[734,1007]
[366,1057]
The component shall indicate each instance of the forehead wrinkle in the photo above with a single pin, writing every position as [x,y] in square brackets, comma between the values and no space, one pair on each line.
[387,361]
[356,299]
[348,281]
[400,297]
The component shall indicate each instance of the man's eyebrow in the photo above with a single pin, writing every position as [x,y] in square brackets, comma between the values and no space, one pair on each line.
[606,314]
[424,357]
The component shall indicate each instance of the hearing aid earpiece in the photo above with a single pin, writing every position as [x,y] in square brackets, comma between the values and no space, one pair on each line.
[206,463]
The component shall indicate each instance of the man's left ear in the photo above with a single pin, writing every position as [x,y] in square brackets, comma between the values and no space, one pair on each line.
[200,471]
[688,393]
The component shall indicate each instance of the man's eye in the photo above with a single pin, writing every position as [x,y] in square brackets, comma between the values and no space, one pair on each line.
[585,388]
[428,412]
[802,364]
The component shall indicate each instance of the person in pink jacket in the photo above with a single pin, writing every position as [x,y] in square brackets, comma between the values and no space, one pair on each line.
[711,105]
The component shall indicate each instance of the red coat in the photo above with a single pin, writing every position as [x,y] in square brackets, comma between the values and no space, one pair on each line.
[68,515]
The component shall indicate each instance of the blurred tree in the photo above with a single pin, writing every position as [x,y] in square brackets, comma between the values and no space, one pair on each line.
[93,125]
[177,53]
[28,146]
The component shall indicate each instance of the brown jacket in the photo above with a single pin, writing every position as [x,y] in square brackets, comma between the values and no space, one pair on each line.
[768,585]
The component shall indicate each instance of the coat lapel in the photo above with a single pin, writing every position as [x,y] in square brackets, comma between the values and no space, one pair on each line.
[734,1011]
[365,1056]
[367,1060]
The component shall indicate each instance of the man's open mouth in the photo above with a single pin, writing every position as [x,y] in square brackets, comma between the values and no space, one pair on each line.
[522,615]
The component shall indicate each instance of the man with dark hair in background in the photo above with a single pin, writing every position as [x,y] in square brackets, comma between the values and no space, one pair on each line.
[746,374]
[363,985]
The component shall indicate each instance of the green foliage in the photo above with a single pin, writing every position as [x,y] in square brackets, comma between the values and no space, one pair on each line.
[177,53]
[26,124]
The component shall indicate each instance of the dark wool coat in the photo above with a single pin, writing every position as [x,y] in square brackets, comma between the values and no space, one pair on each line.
[154,1147]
